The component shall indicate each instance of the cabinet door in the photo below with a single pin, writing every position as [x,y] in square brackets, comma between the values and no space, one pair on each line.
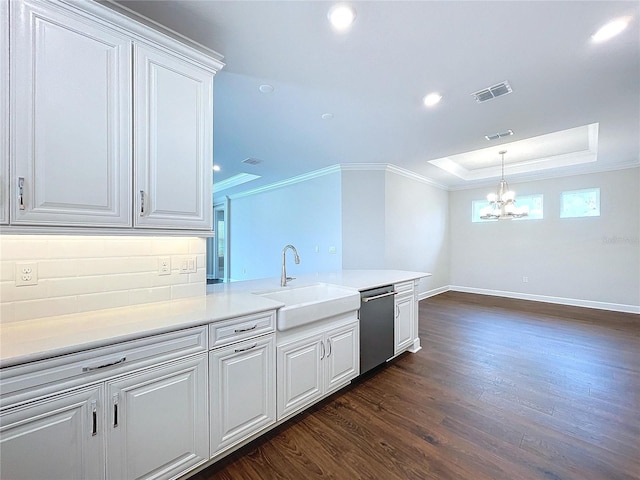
[342,361]
[403,323]
[300,380]
[4,112]
[57,438]
[71,107]
[173,137]
[242,389]
[157,421]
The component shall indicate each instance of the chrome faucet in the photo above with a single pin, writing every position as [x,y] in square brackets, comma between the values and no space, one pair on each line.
[284,279]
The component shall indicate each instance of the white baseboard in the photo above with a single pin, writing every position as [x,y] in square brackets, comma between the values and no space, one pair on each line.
[616,307]
[435,291]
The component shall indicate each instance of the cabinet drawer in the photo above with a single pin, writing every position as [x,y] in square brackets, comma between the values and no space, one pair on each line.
[403,288]
[229,331]
[97,364]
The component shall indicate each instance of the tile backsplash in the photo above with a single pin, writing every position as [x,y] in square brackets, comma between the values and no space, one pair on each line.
[83,273]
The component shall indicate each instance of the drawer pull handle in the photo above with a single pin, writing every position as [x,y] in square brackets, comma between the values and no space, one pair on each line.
[237,350]
[329,343]
[89,369]
[240,330]
[322,355]
[375,297]
[94,418]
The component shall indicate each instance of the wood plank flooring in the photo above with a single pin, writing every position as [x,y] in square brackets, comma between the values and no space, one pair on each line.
[502,389]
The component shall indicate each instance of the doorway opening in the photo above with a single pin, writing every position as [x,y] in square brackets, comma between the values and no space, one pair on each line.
[217,247]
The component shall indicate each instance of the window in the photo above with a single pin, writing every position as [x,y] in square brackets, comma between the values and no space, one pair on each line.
[580,203]
[534,202]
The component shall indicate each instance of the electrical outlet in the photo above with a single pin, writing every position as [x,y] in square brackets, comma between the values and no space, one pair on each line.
[164,266]
[525,279]
[332,249]
[26,274]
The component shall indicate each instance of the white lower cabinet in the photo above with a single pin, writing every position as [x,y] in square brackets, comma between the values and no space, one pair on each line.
[59,437]
[242,391]
[314,364]
[137,410]
[153,423]
[156,421]
[404,317]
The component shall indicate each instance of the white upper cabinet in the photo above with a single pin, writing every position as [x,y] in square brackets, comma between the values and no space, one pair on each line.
[173,136]
[80,75]
[71,99]
[4,112]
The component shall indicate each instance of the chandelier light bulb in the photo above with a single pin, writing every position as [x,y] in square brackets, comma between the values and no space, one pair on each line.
[503,203]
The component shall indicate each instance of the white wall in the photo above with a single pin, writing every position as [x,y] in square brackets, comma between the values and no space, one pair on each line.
[84,273]
[305,214]
[375,218]
[395,221]
[581,260]
[417,229]
[363,219]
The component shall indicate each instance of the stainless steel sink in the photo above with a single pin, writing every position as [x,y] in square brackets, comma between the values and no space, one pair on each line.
[310,303]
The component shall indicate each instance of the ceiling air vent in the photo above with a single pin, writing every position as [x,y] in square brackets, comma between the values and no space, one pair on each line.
[251,161]
[496,136]
[492,92]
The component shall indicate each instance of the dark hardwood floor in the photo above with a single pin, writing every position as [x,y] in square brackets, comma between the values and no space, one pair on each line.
[502,389]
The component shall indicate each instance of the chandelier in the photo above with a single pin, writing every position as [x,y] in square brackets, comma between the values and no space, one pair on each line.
[502,204]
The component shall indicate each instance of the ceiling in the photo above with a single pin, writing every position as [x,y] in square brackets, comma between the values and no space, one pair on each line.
[372,79]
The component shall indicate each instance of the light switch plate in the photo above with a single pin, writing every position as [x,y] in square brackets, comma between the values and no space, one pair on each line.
[188,264]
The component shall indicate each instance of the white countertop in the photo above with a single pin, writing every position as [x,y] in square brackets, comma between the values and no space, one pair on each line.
[37,339]
[358,279]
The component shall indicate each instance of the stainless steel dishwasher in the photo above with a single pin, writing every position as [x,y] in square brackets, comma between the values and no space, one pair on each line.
[376,327]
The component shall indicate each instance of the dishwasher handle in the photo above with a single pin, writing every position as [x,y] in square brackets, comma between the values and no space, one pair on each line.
[375,297]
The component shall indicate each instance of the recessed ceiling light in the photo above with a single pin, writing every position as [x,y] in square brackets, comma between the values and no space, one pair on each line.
[327,116]
[216,168]
[341,16]
[266,88]
[432,99]
[611,29]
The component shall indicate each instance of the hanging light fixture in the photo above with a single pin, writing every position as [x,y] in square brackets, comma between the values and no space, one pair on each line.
[502,204]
